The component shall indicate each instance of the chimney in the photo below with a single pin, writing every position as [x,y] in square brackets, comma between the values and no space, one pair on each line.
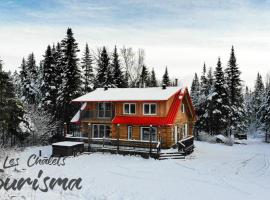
[176,82]
[105,88]
[163,86]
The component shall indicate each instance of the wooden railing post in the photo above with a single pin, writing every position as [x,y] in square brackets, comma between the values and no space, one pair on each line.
[150,142]
[89,136]
[118,136]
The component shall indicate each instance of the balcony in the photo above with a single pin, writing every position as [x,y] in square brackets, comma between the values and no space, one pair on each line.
[87,115]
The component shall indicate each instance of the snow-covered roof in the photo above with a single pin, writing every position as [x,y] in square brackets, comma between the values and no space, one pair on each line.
[129,94]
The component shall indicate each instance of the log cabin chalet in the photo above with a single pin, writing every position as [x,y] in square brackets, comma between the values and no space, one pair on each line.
[163,114]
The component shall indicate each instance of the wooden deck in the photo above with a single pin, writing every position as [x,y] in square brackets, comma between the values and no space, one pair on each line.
[145,149]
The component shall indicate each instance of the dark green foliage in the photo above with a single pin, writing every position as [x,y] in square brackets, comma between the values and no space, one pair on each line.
[165,79]
[87,67]
[118,76]
[153,80]
[144,77]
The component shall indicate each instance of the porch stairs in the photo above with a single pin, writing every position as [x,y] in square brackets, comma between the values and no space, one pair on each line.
[171,155]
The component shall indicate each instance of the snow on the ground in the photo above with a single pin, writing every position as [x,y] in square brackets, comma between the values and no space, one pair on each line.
[213,171]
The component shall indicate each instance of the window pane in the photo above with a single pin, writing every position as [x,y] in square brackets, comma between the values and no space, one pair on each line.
[153,108]
[132,108]
[108,113]
[95,131]
[108,106]
[108,130]
[126,108]
[146,108]
[129,132]
[101,131]
[145,134]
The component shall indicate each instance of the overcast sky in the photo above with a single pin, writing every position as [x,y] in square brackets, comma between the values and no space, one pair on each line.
[182,34]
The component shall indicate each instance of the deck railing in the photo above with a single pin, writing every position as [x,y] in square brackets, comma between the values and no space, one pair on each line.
[186,145]
[93,114]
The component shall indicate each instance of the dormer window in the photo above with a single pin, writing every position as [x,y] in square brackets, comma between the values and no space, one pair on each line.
[149,108]
[129,108]
[183,108]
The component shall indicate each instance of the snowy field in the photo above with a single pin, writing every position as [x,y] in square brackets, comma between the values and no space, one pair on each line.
[213,171]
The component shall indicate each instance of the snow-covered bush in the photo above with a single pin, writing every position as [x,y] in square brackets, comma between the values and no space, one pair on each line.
[216,139]
[39,124]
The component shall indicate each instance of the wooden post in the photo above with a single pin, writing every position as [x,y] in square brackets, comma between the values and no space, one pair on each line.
[118,136]
[65,129]
[150,142]
[89,136]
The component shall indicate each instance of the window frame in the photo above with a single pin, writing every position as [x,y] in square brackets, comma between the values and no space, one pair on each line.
[141,133]
[104,111]
[149,108]
[129,108]
[98,130]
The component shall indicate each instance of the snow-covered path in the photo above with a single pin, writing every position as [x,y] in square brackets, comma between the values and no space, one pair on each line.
[213,171]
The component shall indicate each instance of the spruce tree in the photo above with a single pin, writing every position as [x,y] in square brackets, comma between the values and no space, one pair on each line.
[237,114]
[195,91]
[165,79]
[104,77]
[265,112]
[220,102]
[71,76]
[11,110]
[257,101]
[87,67]
[29,78]
[144,77]
[153,80]
[48,85]
[118,76]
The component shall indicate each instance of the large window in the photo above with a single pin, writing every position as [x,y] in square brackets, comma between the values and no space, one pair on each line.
[104,110]
[145,133]
[101,130]
[129,108]
[150,109]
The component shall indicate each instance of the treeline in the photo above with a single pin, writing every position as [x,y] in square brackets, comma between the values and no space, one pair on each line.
[47,88]
[224,106]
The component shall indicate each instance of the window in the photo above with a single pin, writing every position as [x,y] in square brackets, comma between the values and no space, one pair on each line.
[185,130]
[129,108]
[129,132]
[149,109]
[183,108]
[101,130]
[145,133]
[104,110]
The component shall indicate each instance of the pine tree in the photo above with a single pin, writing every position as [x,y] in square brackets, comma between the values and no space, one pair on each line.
[71,76]
[202,113]
[165,78]
[48,85]
[265,112]
[153,80]
[144,77]
[220,102]
[118,76]
[195,91]
[237,114]
[257,101]
[104,75]
[11,109]
[87,67]
[29,78]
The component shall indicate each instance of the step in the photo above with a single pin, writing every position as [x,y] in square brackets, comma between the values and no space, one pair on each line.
[173,157]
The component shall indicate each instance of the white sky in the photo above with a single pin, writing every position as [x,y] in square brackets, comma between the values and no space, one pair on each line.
[182,39]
